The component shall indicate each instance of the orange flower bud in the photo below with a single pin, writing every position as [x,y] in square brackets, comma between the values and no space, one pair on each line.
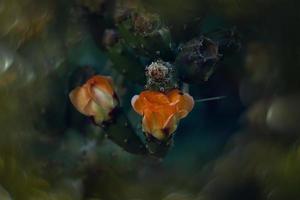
[96,98]
[162,111]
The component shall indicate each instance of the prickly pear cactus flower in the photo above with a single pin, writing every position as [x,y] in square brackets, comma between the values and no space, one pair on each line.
[162,111]
[96,98]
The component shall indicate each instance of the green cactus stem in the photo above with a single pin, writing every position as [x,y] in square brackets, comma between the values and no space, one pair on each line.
[126,63]
[121,132]
[158,148]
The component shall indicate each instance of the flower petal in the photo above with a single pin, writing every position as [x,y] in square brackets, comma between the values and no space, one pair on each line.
[138,104]
[103,99]
[95,98]
[155,97]
[99,114]
[102,82]
[80,98]
[162,112]
[183,101]
[185,105]
[151,126]
[159,124]
[147,124]
[174,96]
[170,125]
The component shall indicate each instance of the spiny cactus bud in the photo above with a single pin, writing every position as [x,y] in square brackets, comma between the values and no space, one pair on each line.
[145,34]
[145,23]
[197,60]
[160,76]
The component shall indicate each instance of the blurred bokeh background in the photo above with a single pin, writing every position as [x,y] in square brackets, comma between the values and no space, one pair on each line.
[242,147]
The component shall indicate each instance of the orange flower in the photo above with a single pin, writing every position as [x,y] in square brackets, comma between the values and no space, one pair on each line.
[96,98]
[162,111]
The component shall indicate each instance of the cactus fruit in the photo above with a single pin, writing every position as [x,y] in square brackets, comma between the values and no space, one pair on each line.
[197,60]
